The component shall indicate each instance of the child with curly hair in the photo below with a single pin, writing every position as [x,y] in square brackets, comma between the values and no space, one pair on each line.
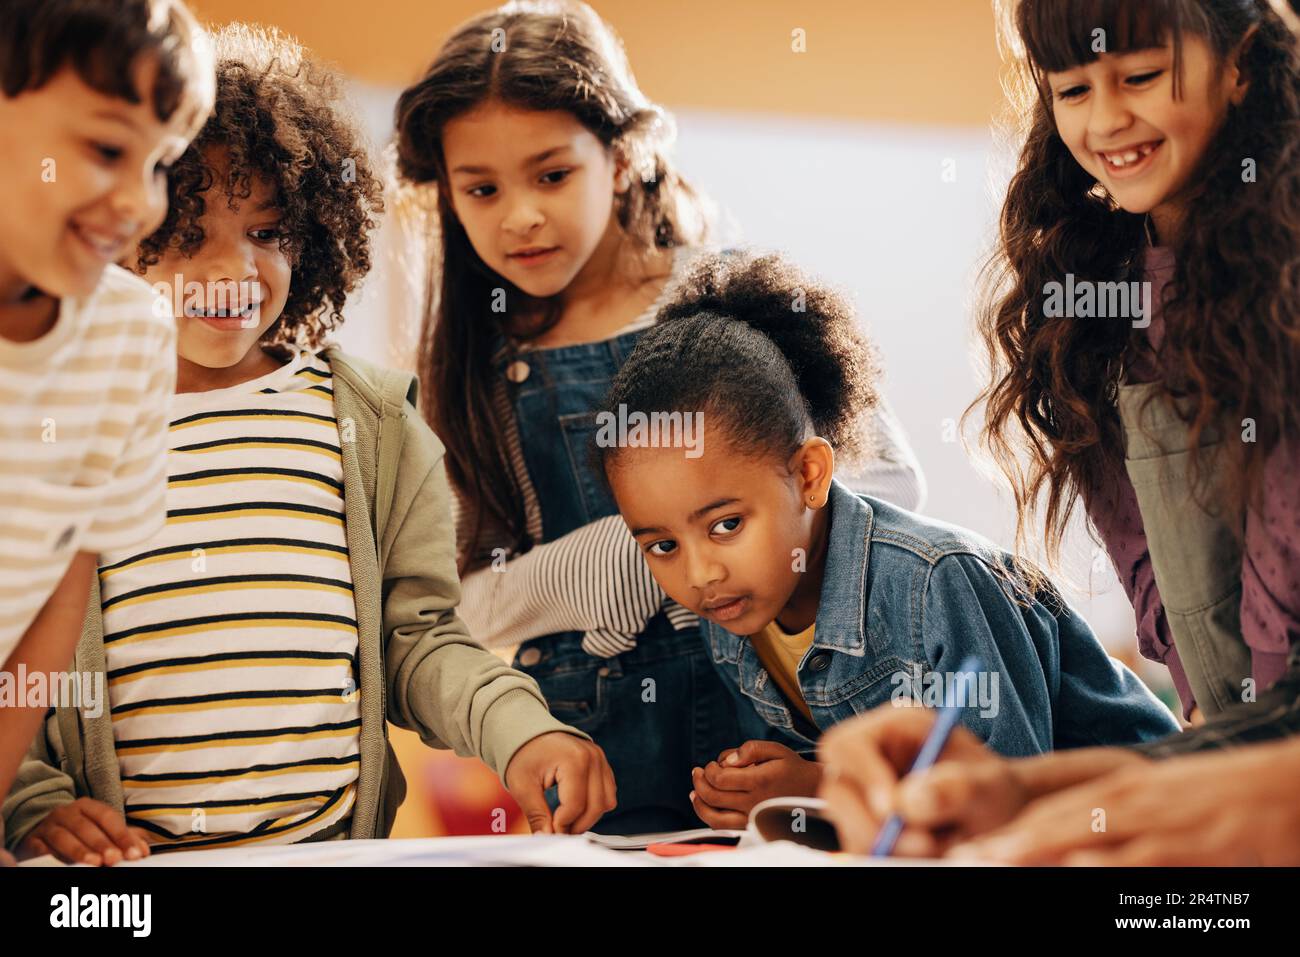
[1161,156]
[303,590]
[1159,144]
[818,603]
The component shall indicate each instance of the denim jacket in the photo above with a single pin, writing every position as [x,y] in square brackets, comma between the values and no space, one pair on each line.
[903,596]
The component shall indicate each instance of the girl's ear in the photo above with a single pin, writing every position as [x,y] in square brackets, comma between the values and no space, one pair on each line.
[813,463]
[1237,75]
[622,171]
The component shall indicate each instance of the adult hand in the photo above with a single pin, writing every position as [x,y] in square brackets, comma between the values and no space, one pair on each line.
[1228,808]
[969,790]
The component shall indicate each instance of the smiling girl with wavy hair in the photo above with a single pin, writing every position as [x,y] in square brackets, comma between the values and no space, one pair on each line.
[1161,146]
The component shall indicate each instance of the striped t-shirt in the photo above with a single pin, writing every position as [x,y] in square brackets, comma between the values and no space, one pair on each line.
[231,638]
[82,440]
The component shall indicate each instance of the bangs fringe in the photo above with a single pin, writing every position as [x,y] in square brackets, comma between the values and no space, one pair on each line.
[1059,35]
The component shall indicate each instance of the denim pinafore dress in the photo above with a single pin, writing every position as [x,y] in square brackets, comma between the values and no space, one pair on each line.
[661,709]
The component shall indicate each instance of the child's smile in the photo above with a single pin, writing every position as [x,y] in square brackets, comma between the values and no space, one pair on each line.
[227,319]
[233,288]
[88,179]
[1127,161]
[1121,120]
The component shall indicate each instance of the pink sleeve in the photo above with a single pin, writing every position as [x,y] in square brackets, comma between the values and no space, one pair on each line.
[1115,514]
[1270,572]
[1154,638]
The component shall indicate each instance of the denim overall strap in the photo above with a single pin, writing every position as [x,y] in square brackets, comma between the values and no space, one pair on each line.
[555,393]
[1194,540]
[660,709]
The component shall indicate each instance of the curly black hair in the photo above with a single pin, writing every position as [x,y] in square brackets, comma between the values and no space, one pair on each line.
[277,116]
[759,345]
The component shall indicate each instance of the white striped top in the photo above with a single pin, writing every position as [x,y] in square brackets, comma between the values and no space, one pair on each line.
[82,440]
[231,638]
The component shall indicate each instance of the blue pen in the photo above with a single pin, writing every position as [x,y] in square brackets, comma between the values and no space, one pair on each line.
[949,714]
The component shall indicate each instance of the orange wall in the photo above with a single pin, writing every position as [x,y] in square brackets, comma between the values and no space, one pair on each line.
[908,61]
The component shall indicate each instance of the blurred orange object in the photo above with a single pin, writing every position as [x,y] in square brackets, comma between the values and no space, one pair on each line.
[683,850]
[448,795]
[469,798]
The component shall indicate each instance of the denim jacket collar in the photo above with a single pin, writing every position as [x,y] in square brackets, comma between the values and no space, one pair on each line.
[841,614]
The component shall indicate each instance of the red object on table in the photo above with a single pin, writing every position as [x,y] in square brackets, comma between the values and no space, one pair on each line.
[468,798]
[682,850]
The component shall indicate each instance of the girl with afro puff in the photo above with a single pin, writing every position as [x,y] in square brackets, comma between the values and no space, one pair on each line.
[303,590]
[819,603]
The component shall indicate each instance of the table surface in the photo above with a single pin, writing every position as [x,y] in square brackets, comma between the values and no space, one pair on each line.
[489,851]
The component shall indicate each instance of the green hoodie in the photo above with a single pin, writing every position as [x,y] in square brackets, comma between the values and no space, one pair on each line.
[419,668]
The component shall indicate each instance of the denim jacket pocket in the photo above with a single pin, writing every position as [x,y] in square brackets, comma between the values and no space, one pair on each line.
[773,717]
[871,688]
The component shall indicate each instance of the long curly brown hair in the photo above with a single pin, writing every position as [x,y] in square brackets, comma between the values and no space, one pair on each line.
[538,55]
[278,117]
[1232,344]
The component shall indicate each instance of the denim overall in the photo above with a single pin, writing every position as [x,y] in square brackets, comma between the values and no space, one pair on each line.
[660,709]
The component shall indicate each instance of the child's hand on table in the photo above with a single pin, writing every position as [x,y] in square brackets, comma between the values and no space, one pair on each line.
[578,767]
[727,789]
[85,832]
